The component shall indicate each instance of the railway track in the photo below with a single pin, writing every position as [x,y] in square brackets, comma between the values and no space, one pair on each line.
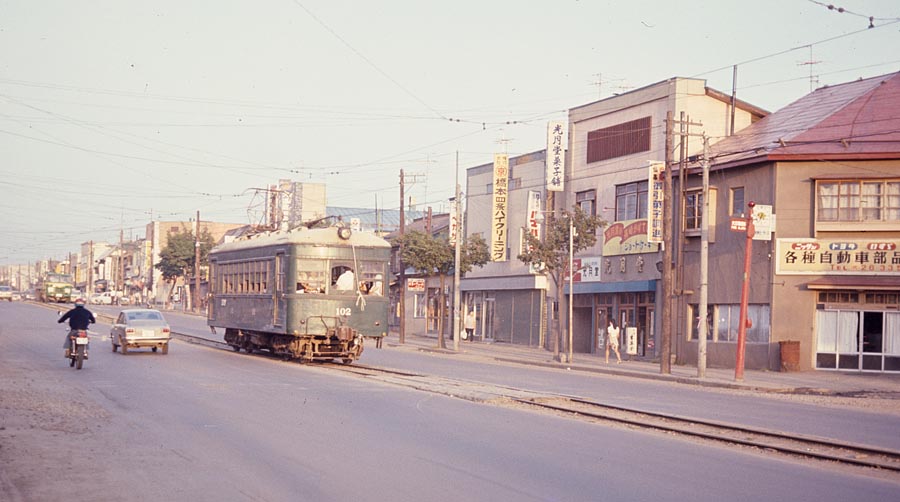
[809,448]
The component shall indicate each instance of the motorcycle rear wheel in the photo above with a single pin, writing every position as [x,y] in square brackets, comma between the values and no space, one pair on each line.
[79,357]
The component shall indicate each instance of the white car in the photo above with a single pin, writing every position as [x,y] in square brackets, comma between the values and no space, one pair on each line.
[140,328]
[102,298]
[6,293]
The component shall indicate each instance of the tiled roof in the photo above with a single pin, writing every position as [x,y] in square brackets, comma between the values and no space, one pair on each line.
[855,120]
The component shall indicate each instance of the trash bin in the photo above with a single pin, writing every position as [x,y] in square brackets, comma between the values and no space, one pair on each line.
[790,355]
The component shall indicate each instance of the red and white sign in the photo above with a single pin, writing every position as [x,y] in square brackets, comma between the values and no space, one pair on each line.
[416,285]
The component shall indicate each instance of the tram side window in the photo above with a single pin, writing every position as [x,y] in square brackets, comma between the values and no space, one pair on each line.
[310,276]
[245,277]
[371,280]
[342,278]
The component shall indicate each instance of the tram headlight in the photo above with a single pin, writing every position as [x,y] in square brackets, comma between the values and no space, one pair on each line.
[344,232]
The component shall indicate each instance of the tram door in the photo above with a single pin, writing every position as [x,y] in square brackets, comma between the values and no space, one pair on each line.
[278,306]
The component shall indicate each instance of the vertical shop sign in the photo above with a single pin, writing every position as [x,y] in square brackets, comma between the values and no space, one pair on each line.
[500,206]
[657,195]
[556,156]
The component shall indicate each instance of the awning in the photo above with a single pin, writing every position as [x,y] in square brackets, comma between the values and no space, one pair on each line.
[612,287]
[857,282]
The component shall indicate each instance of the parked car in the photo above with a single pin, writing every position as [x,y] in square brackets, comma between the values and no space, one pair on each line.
[105,298]
[140,328]
[6,293]
[17,297]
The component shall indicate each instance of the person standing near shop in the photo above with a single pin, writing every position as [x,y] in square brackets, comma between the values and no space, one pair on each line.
[612,341]
[470,325]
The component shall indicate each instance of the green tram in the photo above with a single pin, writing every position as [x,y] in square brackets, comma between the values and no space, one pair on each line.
[55,288]
[307,294]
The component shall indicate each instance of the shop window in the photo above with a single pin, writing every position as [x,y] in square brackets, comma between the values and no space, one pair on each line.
[722,323]
[420,305]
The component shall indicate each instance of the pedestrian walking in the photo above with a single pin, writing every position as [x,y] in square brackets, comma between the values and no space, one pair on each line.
[470,326]
[612,341]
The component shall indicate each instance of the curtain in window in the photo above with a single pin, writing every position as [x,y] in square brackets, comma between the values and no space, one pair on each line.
[892,201]
[871,201]
[759,317]
[849,203]
[826,331]
[848,332]
[892,333]
[828,201]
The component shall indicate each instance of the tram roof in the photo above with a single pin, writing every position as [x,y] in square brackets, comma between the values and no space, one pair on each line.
[302,235]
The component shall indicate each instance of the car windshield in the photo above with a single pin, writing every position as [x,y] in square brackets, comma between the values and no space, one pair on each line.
[144,316]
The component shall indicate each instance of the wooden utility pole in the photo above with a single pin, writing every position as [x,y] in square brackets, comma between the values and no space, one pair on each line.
[402,282]
[704,267]
[120,270]
[457,244]
[665,361]
[89,289]
[197,266]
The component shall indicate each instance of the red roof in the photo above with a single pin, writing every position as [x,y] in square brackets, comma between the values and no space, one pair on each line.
[855,120]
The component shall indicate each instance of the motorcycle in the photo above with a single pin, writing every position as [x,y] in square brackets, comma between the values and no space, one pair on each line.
[77,351]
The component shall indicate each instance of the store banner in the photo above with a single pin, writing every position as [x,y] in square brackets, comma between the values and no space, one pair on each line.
[837,257]
[627,237]
[656,199]
[499,209]
[556,156]
[587,269]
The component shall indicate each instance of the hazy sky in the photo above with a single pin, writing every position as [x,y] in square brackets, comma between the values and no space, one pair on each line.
[115,110]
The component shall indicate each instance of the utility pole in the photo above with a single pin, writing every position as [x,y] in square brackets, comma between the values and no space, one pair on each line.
[401,264]
[456,259]
[120,270]
[733,98]
[665,361]
[197,266]
[90,284]
[704,266]
[745,295]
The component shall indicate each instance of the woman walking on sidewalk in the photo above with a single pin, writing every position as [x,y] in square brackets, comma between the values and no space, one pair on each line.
[612,341]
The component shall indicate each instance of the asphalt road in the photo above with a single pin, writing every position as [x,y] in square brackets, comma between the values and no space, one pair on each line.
[809,415]
[202,424]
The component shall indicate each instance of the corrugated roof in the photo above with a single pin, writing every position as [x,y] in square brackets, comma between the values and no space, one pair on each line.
[859,119]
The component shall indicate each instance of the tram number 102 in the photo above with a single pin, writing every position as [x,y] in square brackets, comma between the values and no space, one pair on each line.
[342,311]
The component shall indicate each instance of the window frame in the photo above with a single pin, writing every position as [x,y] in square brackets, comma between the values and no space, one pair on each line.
[841,204]
[589,198]
[640,193]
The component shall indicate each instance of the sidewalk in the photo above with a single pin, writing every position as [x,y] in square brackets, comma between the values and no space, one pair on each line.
[804,382]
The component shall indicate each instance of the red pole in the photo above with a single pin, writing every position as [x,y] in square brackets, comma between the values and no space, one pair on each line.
[745,294]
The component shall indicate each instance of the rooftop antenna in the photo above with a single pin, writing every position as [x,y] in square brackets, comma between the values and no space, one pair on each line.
[813,79]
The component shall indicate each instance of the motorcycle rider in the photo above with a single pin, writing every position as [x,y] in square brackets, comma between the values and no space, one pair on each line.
[79,319]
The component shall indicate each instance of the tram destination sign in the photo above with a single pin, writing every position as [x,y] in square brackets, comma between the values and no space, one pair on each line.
[837,257]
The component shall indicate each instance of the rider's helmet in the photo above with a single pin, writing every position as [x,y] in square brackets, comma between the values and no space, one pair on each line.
[79,302]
